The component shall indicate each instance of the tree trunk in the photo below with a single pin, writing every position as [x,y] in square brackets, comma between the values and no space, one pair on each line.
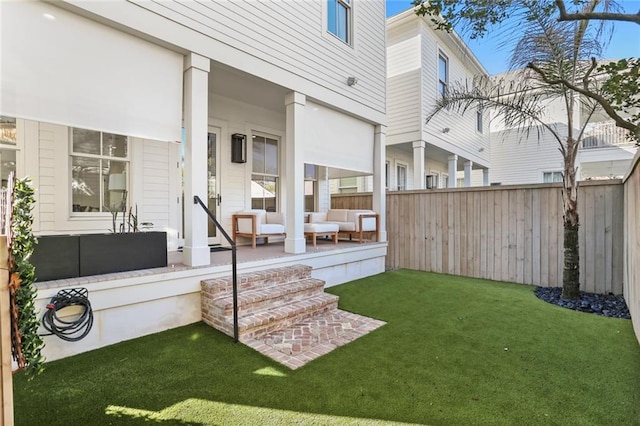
[571,272]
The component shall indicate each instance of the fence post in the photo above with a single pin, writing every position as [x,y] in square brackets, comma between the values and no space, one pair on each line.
[6,375]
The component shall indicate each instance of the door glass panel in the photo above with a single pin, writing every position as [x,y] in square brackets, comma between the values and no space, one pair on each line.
[212,193]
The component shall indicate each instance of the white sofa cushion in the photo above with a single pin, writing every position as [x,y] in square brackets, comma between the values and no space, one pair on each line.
[338,215]
[368,223]
[244,224]
[270,228]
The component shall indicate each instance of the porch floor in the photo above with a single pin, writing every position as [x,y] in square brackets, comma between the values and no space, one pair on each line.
[244,254]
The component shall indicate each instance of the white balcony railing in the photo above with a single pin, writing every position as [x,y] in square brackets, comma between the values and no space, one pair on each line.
[604,134]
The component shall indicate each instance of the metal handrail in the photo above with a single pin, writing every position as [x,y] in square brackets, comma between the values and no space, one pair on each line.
[234,264]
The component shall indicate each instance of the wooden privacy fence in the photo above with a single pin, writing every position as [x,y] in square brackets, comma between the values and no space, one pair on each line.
[508,233]
[632,242]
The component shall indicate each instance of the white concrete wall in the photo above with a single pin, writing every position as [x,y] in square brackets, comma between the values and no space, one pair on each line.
[127,308]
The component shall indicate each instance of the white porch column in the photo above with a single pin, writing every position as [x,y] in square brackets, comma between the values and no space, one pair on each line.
[294,172]
[468,165]
[485,177]
[418,165]
[196,70]
[453,171]
[379,194]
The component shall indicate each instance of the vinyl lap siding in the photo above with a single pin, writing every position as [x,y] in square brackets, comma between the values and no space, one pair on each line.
[462,137]
[155,196]
[45,180]
[291,36]
[403,84]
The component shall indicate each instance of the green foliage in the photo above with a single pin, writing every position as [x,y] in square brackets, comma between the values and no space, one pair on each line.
[622,88]
[22,245]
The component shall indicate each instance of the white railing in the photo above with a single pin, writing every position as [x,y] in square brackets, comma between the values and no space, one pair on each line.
[602,135]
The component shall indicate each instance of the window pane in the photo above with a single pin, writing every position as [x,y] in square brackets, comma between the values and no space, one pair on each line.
[7,164]
[309,196]
[442,68]
[271,157]
[263,192]
[8,132]
[331,17]
[342,17]
[114,145]
[310,171]
[258,154]
[85,184]
[86,141]
[115,185]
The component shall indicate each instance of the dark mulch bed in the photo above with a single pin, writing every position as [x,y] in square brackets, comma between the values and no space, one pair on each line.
[608,305]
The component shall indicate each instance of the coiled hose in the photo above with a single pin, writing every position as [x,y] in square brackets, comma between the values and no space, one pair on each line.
[72,330]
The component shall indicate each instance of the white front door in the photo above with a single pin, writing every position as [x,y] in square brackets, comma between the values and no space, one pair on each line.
[214,198]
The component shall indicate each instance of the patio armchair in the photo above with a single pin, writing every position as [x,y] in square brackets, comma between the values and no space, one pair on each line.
[256,224]
[351,222]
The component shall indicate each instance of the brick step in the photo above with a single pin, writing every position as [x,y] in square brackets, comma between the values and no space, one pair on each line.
[271,319]
[256,299]
[218,287]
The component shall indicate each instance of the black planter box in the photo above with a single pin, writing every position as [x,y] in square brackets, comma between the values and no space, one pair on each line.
[68,256]
[56,257]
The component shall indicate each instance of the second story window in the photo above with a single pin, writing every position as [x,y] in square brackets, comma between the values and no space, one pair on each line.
[339,19]
[479,120]
[443,74]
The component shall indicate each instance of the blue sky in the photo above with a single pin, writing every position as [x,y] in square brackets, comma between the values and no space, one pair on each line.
[625,41]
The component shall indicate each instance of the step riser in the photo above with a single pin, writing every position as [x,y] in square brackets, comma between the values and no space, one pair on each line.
[220,286]
[262,329]
[253,306]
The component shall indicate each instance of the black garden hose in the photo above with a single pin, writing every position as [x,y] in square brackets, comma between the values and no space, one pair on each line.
[79,327]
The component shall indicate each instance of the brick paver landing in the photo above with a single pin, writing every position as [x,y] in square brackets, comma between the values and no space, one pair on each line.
[311,338]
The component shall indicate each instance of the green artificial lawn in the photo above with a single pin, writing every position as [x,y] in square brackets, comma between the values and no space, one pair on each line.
[454,351]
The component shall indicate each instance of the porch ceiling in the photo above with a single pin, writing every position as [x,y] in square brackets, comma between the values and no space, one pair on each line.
[240,86]
[433,153]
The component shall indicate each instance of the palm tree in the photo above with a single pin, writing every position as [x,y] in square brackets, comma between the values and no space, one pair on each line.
[549,51]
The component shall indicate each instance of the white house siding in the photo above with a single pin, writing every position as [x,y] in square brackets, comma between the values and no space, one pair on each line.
[404,112]
[231,116]
[282,42]
[462,138]
[516,159]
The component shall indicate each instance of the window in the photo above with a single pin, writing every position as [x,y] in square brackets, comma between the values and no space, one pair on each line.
[386,175]
[348,185]
[264,180]
[460,182]
[479,120]
[432,180]
[8,148]
[99,170]
[548,177]
[310,179]
[339,19]
[445,181]
[401,171]
[443,74]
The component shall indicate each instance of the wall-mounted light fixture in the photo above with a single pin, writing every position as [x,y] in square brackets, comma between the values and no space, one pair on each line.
[238,148]
[481,149]
[446,130]
[352,81]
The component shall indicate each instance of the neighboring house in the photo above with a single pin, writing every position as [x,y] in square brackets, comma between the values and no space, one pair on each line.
[140,102]
[605,151]
[421,64]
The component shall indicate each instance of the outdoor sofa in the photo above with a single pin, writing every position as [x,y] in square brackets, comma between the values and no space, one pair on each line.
[351,222]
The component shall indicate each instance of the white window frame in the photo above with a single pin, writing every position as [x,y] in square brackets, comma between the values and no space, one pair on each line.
[434,176]
[445,180]
[442,83]
[553,174]
[277,176]
[399,166]
[387,177]
[100,157]
[479,121]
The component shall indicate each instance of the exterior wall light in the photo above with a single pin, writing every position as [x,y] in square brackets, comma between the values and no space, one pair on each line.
[238,148]
[351,81]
